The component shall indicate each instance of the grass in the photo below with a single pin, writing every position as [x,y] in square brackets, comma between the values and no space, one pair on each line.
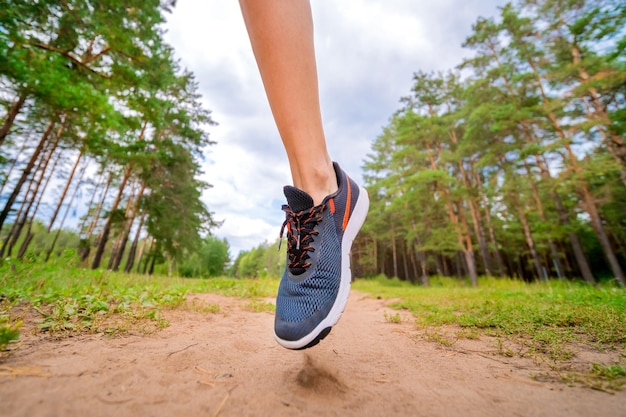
[543,321]
[437,337]
[201,307]
[66,300]
[260,306]
[395,318]
[8,333]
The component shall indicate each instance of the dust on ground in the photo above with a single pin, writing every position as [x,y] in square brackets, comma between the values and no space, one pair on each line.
[228,364]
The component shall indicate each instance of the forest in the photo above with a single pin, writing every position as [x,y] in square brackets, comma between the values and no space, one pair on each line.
[512,164]
[101,123]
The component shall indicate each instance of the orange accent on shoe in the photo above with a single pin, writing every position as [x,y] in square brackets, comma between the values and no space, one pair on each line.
[332,205]
[346,215]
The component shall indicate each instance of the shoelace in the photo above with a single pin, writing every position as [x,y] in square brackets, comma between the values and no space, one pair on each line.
[300,232]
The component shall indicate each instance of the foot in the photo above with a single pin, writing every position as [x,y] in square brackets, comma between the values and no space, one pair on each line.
[315,286]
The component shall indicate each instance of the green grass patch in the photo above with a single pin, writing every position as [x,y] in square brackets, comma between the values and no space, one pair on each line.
[201,307]
[230,287]
[541,320]
[392,318]
[437,337]
[8,333]
[553,312]
[260,306]
[468,333]
[608,378]
[66,300]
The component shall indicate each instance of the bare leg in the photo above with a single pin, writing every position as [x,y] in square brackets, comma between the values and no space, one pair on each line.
[281,34]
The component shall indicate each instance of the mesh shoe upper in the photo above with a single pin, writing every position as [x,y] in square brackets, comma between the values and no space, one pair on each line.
[301,296]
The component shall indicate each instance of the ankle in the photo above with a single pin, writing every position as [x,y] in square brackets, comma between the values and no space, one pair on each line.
[319,182]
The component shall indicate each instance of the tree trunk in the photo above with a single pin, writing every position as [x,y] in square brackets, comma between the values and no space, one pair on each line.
[415,272]
[64,193]
[96,214]
[478,228]
[133,247]
[12,167]
[6,245]
[11,115]
[83,224]
[421,259]
[602,236]
[482,242]
[462,240]
[446,268]
[579,254]
[461,266]
[438,265]
[67,210]
[468,244]
[107,226]
[576,246]
[152,262]
[23,211]
[42,168]
[375,244]
[25,174]
[405,262]
[590,207]
[588,201]
[529,240]
[614,142]
[140,255]
[394,253]
[29,235]
[425,278]
[117,242]
[127,228]
[556,258]
[149,258]
[170,267]
[491,230]
[527,233]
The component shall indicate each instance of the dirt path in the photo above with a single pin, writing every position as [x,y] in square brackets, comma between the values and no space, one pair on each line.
[228,364]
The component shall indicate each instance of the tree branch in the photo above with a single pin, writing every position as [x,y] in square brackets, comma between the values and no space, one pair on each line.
[98,55]
[68,56]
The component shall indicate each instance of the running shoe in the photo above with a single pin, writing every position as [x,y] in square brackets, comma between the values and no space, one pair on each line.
[314,289]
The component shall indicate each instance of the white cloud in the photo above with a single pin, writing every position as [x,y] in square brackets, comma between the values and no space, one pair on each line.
[244,232]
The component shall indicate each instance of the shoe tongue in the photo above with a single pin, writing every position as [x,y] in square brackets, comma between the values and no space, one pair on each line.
[297,199]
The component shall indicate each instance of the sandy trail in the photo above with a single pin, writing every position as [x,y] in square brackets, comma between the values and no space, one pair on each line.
[228,364]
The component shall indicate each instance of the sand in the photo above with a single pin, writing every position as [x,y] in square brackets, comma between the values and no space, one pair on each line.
[228,364]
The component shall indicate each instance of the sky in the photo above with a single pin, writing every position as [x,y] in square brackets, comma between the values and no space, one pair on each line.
[367,52]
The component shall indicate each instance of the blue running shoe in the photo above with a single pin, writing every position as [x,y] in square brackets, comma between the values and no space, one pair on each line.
[315,286]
